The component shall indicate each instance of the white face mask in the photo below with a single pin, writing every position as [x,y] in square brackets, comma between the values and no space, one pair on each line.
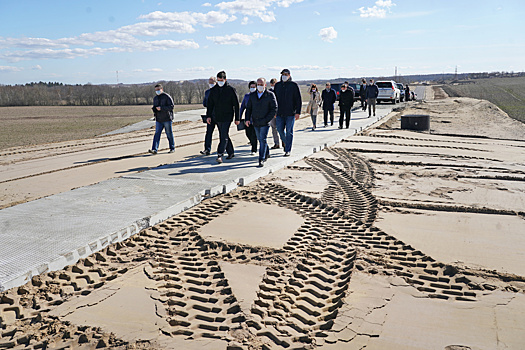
[211,85]
[314,90]
[327,88]
[285,77]
[252,89]
[158,92]
[260,88]
[221,83]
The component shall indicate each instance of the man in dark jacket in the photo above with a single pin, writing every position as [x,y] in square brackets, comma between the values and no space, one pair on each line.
[346,101]
[163,111]
[260,110]
[329,97]
[288,108]
[224,103]
[210,126]
[372,91]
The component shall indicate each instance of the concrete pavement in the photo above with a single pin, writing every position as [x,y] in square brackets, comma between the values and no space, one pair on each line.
[52,232]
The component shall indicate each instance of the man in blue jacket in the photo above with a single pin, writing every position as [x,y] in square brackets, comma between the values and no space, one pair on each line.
[372,91]
[260,110]
[163,111]
[223,105]
[288,108]
[329,97]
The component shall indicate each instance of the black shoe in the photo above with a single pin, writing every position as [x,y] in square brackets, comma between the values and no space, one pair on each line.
[205,152]
[286,154]
[276,147]
[152,151]
[261,163]
[171,151]
[339,127]
[230,156]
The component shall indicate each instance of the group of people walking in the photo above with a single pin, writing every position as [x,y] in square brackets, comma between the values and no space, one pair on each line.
[276,107]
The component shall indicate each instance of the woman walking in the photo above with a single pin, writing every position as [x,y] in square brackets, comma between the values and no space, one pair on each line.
[313,104]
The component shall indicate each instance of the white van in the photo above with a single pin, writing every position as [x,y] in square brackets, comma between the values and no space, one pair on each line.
[388,91]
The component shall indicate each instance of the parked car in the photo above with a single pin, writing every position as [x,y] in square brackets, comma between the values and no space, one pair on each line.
[388,91]
[401,92]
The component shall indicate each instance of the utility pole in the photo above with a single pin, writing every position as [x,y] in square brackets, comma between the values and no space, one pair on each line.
[456,74]
[395,74]
[117,77]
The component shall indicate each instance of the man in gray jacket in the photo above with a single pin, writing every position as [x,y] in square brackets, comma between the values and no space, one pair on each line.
[260,110]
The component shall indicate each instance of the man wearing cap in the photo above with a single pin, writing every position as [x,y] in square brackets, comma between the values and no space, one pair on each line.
[288,108]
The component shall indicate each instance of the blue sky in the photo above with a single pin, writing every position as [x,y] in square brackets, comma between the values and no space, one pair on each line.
[84,41]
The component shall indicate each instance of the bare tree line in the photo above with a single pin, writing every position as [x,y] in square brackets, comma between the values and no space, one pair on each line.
[58,94]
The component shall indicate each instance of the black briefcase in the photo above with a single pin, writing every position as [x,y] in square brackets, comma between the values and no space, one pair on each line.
[204,118]
[241,125]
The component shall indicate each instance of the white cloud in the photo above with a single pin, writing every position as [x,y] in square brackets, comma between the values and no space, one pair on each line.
[154,70]
[37,67]
[238,39]
[206,4]
[328,34]
[10,69]
[379,10]
[255,8]
[245,21]
[317,13]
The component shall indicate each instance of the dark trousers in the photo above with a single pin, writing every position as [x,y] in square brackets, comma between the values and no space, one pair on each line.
[252,136]
[345,112]
[326,111]
[210,128]
[225,144]
[363,103]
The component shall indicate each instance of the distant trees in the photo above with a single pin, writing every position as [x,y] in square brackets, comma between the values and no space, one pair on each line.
[59,94]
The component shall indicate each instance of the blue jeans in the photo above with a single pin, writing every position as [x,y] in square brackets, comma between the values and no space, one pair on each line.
[169,133]
[262,135]
[285,128]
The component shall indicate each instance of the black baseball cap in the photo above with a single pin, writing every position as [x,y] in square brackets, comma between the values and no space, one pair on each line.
[286,70]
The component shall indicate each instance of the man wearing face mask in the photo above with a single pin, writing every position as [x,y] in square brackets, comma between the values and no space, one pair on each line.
[329,97]
[163,111]
[372,91]
[210,127]
[346,101]
[288,108]
[249,129]
[260,110]
[224,104]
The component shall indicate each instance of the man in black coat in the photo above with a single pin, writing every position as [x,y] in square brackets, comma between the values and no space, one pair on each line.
[329,97]
[163,111]
[372,91]
[346,101]
[289,105]
[260,110]
[223,104]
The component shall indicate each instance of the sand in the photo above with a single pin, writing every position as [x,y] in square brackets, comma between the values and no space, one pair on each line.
[392,239]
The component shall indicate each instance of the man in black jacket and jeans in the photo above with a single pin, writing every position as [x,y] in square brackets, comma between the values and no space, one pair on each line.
[346,101]
[163,111]
[329,97]
[224,103]
[260,110]
[288,108]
